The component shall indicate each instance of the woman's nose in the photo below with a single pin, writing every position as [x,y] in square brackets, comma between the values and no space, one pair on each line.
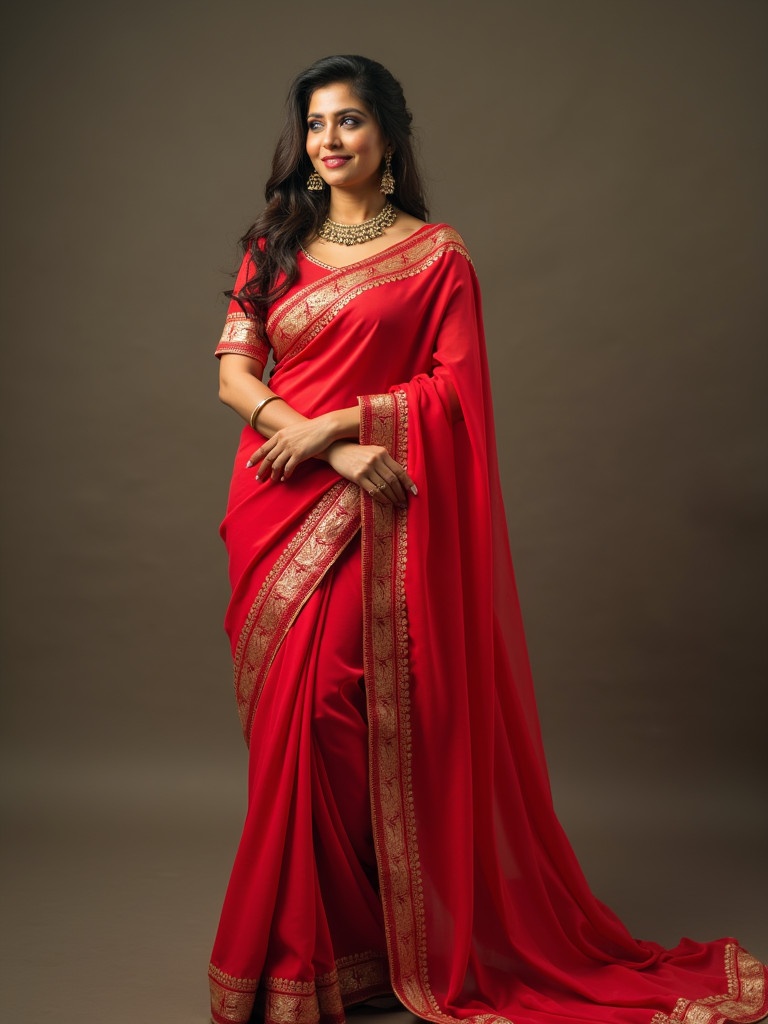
[330,137]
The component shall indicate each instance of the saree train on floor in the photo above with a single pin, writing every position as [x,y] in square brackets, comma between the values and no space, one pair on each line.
[400,832]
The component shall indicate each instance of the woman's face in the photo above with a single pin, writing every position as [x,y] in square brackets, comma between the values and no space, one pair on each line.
[344,140]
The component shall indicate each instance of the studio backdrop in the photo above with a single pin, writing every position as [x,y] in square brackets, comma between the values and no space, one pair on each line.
[605,162]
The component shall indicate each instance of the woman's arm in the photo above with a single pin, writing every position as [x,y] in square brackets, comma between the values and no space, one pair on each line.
[292,438]
[241,388]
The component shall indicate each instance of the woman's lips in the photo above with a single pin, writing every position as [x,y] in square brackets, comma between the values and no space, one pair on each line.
[335,161]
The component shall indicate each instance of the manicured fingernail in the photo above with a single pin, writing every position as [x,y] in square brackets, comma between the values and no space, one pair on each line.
[248,464]
[414,489]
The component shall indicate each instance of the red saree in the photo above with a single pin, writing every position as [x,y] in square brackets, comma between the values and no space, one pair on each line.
[400,833]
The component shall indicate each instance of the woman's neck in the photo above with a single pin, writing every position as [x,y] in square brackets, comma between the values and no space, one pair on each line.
[355,207]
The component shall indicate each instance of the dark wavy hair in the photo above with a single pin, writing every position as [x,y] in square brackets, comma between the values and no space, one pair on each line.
[294,214]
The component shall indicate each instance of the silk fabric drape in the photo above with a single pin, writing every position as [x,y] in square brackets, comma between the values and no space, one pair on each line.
[478,909]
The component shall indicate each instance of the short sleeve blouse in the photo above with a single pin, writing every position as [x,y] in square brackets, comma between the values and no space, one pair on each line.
[243,333]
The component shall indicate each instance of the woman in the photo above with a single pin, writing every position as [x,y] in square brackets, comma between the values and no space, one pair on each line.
[400,834]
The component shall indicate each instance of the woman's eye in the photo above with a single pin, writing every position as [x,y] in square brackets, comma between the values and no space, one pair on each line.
[346,122]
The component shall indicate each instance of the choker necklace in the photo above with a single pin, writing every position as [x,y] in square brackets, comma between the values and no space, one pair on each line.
[354,234]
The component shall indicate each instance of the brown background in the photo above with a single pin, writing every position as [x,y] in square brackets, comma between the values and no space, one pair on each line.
[606,162]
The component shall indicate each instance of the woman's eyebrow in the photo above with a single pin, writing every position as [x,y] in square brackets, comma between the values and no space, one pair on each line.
[346,110]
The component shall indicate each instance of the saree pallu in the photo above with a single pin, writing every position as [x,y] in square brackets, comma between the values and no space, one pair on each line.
[400,834]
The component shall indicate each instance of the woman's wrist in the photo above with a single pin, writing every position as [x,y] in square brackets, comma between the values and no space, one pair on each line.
[341,424]
[325,455]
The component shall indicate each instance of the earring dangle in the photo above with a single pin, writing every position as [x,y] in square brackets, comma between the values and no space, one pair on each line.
[387,186]
[315,182]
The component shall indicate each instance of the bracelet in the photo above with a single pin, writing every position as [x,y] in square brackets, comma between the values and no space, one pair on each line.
[259,407]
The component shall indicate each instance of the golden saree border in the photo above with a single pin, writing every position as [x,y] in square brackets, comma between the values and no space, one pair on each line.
[293,323]
[303,1002]
[355,977]
[241,336]
[384,421]
[743,1003]
[322,537]
[232,998]
[362,975]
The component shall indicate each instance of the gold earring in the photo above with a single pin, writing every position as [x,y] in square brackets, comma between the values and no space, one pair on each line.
[387,181]
[315,183]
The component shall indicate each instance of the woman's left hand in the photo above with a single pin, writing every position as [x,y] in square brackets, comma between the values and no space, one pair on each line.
[282,453]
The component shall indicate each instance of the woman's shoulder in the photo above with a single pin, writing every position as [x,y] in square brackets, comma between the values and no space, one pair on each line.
[438,233]
[250,249]
[446,238]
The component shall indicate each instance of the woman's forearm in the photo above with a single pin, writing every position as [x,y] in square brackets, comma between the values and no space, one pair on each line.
[243,392]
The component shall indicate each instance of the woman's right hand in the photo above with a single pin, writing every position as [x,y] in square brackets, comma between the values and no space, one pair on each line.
[372,468]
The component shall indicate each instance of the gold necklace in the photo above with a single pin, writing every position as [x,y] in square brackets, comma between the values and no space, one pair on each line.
[355,234]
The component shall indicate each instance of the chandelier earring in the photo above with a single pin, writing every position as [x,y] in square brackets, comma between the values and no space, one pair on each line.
[315,183]
[387,181]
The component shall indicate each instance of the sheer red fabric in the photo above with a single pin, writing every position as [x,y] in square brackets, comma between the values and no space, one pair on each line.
[400,829]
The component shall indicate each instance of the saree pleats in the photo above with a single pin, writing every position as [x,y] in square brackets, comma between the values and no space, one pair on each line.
[400,833]
[302,928]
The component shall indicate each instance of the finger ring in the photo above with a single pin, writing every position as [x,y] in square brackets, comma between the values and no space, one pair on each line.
[382,487]
[372,491]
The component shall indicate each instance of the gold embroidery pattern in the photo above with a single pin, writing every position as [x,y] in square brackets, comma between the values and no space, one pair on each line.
[303,1002]
[240,336]
[244,984]
[294,323]
[362,975]
[743,1003]
[285,1001]
[384,421]
[232,998]
[324,534]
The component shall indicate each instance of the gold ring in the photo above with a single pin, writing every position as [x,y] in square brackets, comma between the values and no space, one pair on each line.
[382,487]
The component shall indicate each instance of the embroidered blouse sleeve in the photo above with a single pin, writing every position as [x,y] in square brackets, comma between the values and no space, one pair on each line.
[243,333]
